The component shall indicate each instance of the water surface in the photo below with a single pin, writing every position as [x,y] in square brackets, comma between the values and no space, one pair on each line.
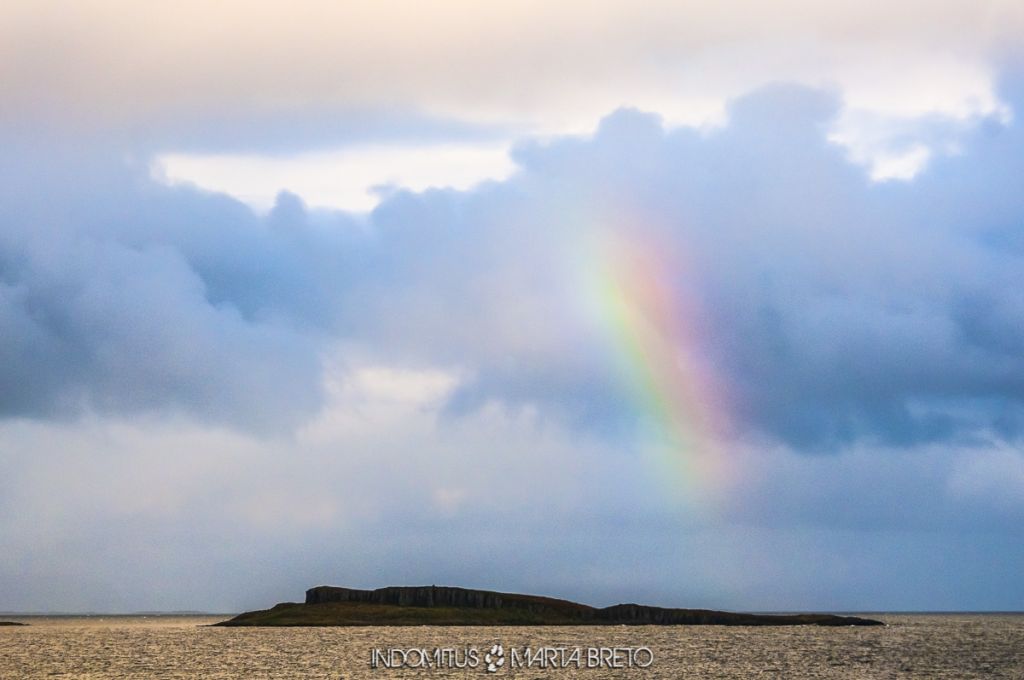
[910,646]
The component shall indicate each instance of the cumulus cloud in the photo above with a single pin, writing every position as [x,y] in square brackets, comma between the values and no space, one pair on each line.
[832,309]
[829,309]
[116,297]
[311,377]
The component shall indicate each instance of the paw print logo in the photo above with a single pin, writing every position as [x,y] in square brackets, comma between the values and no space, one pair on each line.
[495,658]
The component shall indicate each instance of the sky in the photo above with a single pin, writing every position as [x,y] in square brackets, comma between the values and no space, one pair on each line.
[670,304]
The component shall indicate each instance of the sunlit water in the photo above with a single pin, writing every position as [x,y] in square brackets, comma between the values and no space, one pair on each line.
[911,646]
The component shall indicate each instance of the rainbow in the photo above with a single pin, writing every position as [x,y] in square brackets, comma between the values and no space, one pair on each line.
[651,326]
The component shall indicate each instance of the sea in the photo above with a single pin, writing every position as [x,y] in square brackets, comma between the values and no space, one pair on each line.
[908,646]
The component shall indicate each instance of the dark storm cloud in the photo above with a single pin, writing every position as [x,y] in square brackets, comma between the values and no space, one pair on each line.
[834,310]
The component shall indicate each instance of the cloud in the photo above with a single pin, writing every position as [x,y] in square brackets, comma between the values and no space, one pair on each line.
[824,309]
[831,309]
[118,296]
[474,60]
[381,488]
[237,78]
[466,382]
[352,179]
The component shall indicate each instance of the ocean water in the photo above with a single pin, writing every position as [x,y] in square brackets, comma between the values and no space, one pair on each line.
[910,646]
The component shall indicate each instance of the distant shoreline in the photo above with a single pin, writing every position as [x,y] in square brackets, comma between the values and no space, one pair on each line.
[764,612]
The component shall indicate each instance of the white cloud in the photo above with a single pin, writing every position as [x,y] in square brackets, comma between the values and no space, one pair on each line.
[902,165]
[349,179]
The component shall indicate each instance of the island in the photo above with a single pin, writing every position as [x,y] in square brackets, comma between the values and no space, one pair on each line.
[12,623]
[451,606]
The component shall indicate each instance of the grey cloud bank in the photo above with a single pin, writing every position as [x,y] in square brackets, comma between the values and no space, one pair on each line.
[879,323]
